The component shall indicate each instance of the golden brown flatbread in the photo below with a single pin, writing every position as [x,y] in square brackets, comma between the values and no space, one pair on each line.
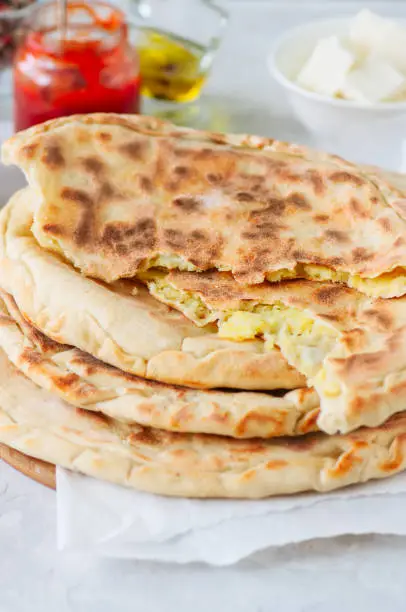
[119,194]
[123,325]
[83,381]
[39,424]
[351,348]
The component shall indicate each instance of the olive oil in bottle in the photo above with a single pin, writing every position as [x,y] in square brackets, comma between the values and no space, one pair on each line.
[173,69]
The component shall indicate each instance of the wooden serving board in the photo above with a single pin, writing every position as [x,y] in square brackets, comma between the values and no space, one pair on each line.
[37,470]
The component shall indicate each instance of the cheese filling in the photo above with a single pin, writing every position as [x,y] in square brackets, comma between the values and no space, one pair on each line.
[388,285]
[303,340]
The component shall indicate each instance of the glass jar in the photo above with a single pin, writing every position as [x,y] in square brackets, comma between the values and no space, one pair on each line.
[176,42]
[80,62]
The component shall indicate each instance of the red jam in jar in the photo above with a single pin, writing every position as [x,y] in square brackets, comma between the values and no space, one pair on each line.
[81,63]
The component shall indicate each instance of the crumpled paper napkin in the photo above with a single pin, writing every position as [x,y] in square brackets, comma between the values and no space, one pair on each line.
[109,520]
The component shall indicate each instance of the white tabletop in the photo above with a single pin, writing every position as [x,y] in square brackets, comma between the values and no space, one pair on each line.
[350,573]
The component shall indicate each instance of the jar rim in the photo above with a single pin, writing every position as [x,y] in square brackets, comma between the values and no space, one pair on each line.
[114,25]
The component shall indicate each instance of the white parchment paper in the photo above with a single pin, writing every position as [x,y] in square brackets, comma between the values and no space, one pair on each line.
[109,520]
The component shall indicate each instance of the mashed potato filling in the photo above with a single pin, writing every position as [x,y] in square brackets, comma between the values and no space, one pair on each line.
[388,285]
[303,340]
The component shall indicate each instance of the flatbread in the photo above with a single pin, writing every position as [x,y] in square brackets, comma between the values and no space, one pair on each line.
[351,347]
[38,424]
[83,381]
[119,194]
[123,325]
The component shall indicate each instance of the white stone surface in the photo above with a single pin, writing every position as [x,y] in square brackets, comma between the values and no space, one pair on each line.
[349,573]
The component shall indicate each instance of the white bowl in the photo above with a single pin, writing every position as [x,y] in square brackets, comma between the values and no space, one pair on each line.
[371,133]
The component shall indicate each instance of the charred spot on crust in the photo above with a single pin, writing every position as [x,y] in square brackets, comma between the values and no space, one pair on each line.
[53,228]
[123,238]
[150,437]
[133,149]
[104,136]
[347,177]
[316,180]
[384,319]
[182,171]
[93,165]
[146,183]
[357,208]
[214,178]
[66,381]
[299,201]
[321,218]
[31,356]
[244,196]
[336,235]
[274,207]
[29,150]
[217,138]
[77,195]
[360,254]
[187,203]
[52,156]
[328,295]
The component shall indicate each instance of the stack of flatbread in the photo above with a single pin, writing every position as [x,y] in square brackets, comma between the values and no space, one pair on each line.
[204,315]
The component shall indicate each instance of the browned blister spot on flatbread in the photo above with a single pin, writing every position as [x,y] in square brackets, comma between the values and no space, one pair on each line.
[337,236]
[321,218]
[380,317]
[353,339]
[54,229]
[104,136]
[398,455]
[94,165]
[84,230]
[361,254]
[276,464]
[217,137]
[309,422]
[29,150]
[66,381]
[183,171]
[298,201]
[78,196]
[31,356]
[53,156]
[345,463]
[357,208]
[135,149]
[316,180]
[254,417]
[146,184]
[385,223]
[347,177]
[214,178]
[147,436]
[328,295]
[187,203]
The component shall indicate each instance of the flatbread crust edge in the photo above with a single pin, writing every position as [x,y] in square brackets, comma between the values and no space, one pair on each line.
[36,423]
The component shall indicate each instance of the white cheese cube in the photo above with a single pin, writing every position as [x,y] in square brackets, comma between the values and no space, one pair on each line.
[366,31]
[392,47]
[386,39]
[374,80]
[326,69]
